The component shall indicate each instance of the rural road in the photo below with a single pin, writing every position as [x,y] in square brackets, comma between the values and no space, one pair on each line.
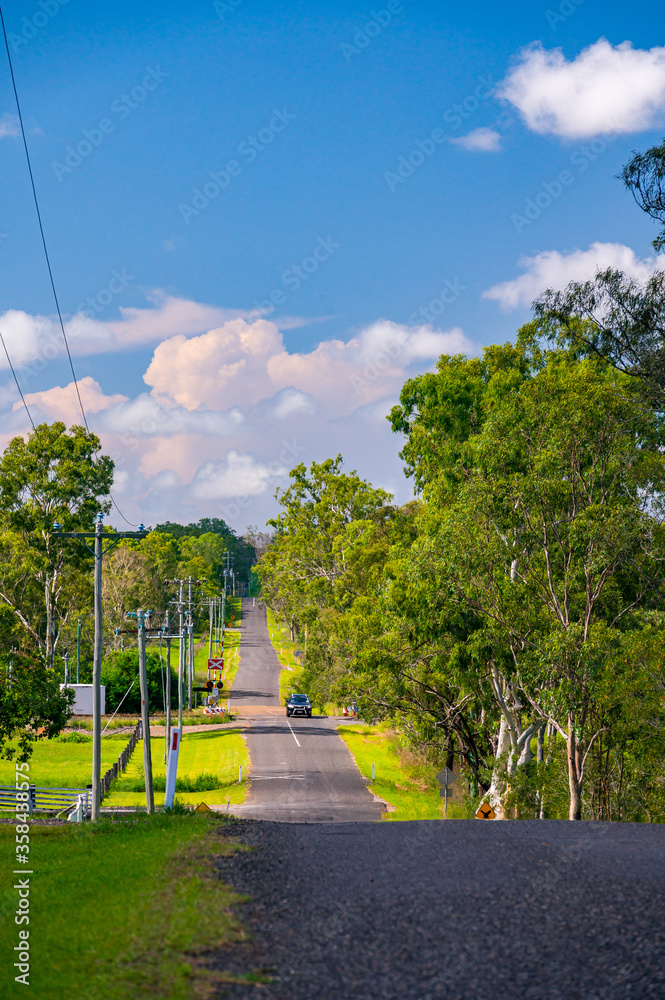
[301,770]
[427,910]
[463,910]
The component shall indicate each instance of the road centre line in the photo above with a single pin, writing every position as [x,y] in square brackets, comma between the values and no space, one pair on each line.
[292,733]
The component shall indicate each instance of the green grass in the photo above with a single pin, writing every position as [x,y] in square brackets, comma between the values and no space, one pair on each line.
[218,753]
[404,782]
[56,764]
[125,908]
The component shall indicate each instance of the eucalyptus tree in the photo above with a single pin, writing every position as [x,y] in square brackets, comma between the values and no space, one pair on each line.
[543,476]
[53,476]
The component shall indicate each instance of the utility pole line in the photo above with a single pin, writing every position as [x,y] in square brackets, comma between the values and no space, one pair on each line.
[181,652]
[167,706]
[190,630]
[145,717]
[97,549]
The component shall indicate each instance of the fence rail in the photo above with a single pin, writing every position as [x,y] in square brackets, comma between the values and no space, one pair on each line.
[40,799]
[121,765]
[59,799]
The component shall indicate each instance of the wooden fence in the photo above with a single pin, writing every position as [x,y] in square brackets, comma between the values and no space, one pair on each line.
[58,799]
[121,765]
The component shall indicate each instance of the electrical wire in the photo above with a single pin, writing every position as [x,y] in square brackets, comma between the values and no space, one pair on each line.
[9,361]
[39,219]
[48,259]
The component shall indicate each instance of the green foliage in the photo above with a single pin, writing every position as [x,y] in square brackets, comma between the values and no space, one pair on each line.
[32,707]
[120,669]
[205,781]
[515,596]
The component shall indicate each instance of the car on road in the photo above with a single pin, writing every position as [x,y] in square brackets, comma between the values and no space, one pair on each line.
[299,704]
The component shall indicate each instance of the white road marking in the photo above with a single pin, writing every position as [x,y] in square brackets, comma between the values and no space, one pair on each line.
[292,733]
[278,777]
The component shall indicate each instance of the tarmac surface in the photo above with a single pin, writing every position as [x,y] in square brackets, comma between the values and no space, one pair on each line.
[462,910]
[301,770]
[344,909]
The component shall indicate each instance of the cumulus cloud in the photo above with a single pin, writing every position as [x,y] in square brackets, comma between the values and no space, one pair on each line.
[34,341]
[141,417]
[552,269]
[237,475]
[9,126]
[481,140]
[229,410]
[61,402]
[605,88]
[244,363]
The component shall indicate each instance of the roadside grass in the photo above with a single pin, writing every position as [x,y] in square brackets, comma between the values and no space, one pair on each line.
[289,678]
[218,753]
[401,780]
[126,908]
[62,764]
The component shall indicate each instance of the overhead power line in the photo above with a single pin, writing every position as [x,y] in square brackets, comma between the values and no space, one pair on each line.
[9,360]
[39,219]
[48,259]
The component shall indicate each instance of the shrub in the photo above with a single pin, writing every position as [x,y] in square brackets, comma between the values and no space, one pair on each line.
[120,669]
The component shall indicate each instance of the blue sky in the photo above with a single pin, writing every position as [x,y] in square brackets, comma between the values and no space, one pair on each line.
[376,241]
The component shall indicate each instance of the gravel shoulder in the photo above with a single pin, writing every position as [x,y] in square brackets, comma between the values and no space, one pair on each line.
[462,910]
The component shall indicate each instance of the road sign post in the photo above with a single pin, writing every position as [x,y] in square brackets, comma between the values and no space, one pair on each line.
[446,779]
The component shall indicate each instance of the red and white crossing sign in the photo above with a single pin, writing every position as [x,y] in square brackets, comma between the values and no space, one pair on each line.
[216,662]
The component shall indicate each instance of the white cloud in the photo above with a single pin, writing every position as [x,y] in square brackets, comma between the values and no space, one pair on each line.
[143,417]
[481,140]
[61,402]
[35,340]
[552,269]
[605,88]
[236,476]
[241,363]
[9,126]
[230,410]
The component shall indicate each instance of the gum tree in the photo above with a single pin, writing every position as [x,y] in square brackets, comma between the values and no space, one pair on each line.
[54,476]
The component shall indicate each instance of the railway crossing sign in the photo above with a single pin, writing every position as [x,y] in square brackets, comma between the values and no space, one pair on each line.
[216,663]
[485,812]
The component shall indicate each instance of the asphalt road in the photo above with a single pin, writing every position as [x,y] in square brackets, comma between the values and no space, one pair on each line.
[458,910]
[301,770]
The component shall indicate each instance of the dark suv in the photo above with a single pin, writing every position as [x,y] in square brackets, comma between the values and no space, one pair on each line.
[299,704]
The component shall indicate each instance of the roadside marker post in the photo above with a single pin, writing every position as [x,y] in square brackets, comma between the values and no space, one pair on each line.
[373,772]
[446,779]
[172,768]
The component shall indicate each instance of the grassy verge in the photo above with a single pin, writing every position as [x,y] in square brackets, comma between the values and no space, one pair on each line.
[401,780]
[289,678]
[217,753]
[125,908]
[61,764]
